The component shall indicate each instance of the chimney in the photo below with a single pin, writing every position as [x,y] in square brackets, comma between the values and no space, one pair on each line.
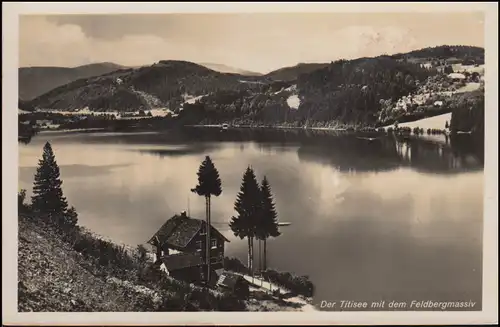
[183,214]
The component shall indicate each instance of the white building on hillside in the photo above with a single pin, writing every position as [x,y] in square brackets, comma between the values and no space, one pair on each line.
[456,76]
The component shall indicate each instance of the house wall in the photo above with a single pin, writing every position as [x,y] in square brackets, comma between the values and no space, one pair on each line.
[197,244]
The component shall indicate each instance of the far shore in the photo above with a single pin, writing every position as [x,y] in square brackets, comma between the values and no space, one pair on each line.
[337,129]
[435,122]
[48,130]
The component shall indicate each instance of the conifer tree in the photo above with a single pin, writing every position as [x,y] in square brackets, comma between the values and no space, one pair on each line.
[247,207]
[48,197]
[268,218]
[209,183]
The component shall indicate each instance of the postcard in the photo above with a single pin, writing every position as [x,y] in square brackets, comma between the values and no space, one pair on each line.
[244,163]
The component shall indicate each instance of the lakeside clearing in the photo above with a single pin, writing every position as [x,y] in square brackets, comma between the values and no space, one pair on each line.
[436,122]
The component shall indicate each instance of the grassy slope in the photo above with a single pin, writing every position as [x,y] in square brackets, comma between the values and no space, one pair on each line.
[436,122]
[53,277]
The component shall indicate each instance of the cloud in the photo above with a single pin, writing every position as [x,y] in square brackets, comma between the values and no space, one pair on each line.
[254,42]
[43,43]
[361,41]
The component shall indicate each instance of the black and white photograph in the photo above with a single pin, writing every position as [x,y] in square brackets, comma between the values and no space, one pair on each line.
[251,161]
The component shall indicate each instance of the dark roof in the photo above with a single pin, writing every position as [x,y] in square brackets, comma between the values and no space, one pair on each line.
[229,280]
[181,260]
[180,230]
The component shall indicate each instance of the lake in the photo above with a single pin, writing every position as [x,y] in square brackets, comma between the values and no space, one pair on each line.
[382,219]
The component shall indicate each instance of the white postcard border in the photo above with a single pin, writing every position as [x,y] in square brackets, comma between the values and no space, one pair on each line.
[10,12]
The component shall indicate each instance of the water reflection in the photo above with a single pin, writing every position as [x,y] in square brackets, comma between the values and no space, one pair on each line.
[190,149]
[354,153]
[345,152]
[71,171]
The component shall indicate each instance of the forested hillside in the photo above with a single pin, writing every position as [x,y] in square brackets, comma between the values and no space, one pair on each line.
[466,54]
[163,84]
[363,91]
[292,73]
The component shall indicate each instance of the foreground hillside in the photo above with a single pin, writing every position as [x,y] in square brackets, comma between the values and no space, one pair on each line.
[365,91]
[54,277]
[35,81]
[68,272]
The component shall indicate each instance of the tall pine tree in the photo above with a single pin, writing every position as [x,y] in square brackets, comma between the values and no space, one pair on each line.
[48,196]
[247,207]
[268,218]
[209,184]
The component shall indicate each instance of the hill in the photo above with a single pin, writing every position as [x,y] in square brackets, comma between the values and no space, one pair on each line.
[34,81]
[292,73]
[364,91]
[228,69]
[466,54]
[166,84]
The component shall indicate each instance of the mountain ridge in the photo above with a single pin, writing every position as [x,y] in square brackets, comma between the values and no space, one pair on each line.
[344,90]
[229,69]
[37,80]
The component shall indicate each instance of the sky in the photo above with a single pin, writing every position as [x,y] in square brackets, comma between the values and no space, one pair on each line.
[259,42]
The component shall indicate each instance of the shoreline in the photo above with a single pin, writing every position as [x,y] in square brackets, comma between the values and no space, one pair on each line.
[271,127]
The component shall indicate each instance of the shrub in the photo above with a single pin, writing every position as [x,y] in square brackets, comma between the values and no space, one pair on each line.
[173,301]
[144,303]
[230,302]
[141,253]
[107,254]
[22,207]
[69,220]
[233,264]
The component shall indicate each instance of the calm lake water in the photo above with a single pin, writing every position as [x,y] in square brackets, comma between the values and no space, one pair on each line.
[371,220]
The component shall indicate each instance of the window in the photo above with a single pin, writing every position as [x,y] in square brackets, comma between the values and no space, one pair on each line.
[213,243]
[199,245]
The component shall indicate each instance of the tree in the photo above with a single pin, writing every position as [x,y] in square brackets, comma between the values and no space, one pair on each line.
[268,218]
[48,196]
[70,218]
[26,131]
[247,207]
[448,69]
[21,196]
[209,184]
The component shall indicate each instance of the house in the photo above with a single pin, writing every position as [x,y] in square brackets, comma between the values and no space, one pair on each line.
[180,248]
[43,122]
